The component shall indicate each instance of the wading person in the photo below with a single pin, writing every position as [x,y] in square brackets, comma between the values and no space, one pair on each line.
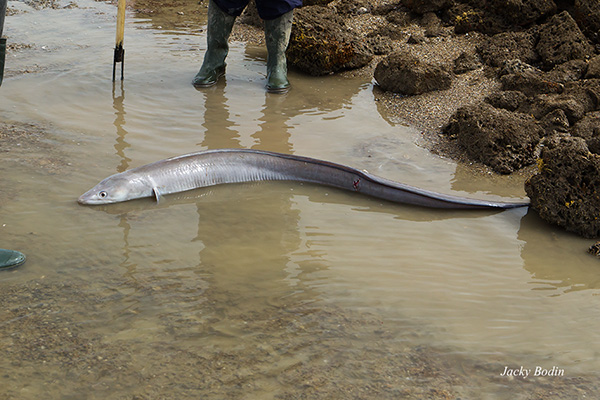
[277,15]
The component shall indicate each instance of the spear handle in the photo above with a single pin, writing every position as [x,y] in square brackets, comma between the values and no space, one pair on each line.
[119,50]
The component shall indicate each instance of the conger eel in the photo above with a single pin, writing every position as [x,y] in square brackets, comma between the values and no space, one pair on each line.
[214,167]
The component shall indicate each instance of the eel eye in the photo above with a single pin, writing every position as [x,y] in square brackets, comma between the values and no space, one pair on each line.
[102,194]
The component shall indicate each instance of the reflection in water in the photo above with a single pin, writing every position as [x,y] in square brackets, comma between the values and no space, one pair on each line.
[120,146]
[249,256]
[274,130]
[548,257]
[218,126]
[257,241]
[547,251]
[240,243]
[119,123]
[469,180]
[125,264]
[311,94]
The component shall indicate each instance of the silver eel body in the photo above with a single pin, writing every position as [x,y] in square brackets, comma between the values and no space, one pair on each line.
[215,167]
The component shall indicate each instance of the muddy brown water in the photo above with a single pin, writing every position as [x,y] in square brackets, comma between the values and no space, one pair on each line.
[275,290]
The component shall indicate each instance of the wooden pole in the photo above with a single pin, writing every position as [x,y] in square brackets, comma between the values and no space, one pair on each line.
[119,50]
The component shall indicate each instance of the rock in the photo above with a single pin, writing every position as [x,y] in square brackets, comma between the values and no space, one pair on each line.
[351,7]
[587,15]
[250,15]
[595,249]
[389,30]
[516,66]
[398,17]
[587,92]
[509,46]
[321,44]
[426,6]
[530,83]
[588,128]
[524,12]
[570,71]
[566,190]
[504,140]
[432,24]
[508,100]
[593,69]
[402,72]
[466,62]
[416,38]
[575,99]
[491,17]
[466,19]
[555,122]
[561,40]
[380,45]
[540,105]
[306,3]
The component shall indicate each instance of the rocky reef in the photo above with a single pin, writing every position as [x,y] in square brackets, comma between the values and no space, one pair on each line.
[544,56]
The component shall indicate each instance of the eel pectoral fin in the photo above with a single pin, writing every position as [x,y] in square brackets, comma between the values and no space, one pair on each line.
[157,194]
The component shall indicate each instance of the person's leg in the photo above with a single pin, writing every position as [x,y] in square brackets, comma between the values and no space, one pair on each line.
[277,37]
[278,26]
[220,24]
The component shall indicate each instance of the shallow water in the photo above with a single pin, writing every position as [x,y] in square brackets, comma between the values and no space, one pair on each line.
[255,290]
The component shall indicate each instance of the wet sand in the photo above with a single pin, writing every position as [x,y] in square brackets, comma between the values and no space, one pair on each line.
[299,351]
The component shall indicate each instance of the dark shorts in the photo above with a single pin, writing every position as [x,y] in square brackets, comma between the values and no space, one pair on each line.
[267,9]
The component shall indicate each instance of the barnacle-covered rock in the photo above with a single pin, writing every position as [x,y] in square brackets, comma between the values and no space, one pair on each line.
[566,190]
[321,44]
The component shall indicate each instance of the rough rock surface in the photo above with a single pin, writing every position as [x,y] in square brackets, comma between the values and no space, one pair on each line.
[588,128]
[504,140]
[509,99]
[570,71]
[321,44]
[466,62]
[489,16]
[426,6]
[523,12]
[529,83]
[404,73]
[561,40]
[316,2]
[574,98]
[508,46]
[566,191]
[593,69]
[543,104]
[587,15]
[350,7]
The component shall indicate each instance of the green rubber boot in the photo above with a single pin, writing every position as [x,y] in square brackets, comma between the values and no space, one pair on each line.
[277,36]
[10,259]
[2,55]
[219,28]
